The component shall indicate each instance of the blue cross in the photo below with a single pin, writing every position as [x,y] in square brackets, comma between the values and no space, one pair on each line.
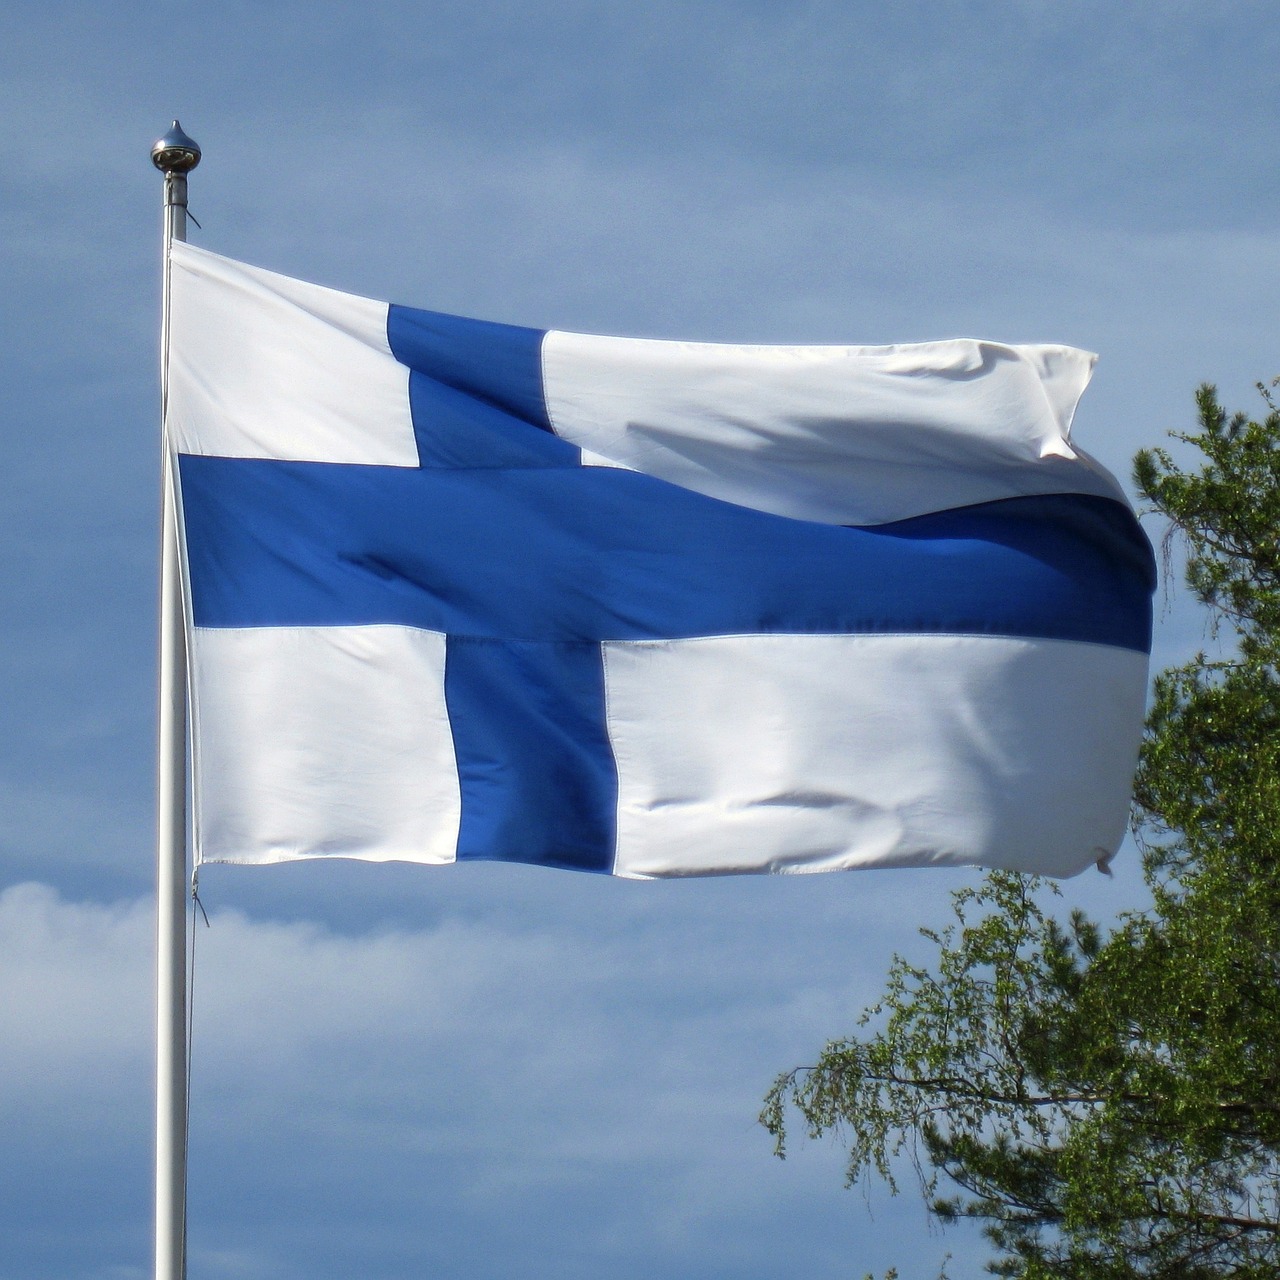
[526,560]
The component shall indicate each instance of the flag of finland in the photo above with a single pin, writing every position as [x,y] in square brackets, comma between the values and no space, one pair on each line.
[460,590]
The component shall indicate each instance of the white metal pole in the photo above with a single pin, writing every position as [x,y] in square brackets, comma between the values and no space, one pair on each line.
[175,155]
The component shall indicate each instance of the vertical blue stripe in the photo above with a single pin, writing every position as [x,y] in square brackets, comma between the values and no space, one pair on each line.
[500,363]
[458,431]
[475,392]
[537,774]
[536,770]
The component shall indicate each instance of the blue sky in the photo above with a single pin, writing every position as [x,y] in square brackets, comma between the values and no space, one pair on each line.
[489,1071]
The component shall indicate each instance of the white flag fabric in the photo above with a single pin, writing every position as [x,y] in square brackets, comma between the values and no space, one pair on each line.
[460,590]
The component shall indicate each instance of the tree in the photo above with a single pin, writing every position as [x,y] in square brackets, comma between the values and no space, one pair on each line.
[1107,1102]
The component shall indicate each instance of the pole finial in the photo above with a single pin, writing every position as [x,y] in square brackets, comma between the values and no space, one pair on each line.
[175,152]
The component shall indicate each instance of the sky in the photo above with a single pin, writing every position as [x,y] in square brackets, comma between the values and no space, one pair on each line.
[491,1070]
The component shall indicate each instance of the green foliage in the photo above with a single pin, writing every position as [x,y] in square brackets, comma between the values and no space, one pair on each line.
[1108,1103]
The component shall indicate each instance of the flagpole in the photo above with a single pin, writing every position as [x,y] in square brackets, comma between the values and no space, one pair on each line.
[175,155]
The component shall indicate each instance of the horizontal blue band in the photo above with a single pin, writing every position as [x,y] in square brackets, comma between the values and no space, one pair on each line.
[569,553]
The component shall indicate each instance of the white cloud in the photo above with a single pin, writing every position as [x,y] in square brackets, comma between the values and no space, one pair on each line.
[75,1002]
[596,1077]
